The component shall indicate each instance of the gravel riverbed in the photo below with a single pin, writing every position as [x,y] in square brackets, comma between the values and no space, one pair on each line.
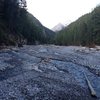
[49,72]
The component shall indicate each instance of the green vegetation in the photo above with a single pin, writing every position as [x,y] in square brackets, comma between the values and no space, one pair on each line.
[19,26]
[84,31]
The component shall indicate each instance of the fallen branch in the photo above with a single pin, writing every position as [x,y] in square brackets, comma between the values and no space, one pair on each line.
[50,57]
[93,93]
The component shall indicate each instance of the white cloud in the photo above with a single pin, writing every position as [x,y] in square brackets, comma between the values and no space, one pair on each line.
[51,12]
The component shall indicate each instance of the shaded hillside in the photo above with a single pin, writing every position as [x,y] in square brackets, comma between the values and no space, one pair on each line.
[84,31]
[19,26]
[46,34]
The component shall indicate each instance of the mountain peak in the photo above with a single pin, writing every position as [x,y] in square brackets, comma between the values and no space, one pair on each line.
[58,27]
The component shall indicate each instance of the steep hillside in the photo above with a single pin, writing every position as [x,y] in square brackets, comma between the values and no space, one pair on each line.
[19,26]
[84,31]
[46,33]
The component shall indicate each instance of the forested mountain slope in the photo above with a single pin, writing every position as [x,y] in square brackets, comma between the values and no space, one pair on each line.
[84,31]
[19,26]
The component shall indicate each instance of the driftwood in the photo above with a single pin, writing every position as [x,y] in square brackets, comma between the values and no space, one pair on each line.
[93,93]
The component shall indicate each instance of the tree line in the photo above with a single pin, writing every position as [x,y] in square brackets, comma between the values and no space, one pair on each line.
[85,31]
[17,25]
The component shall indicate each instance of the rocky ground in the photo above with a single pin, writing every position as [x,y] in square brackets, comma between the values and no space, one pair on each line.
[51,72]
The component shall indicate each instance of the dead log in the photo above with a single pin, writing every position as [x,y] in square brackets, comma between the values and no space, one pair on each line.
[93,93]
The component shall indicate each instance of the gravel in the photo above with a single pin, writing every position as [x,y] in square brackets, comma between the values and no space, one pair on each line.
[49,72]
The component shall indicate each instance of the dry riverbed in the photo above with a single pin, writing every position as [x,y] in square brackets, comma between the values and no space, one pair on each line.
[49,72]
